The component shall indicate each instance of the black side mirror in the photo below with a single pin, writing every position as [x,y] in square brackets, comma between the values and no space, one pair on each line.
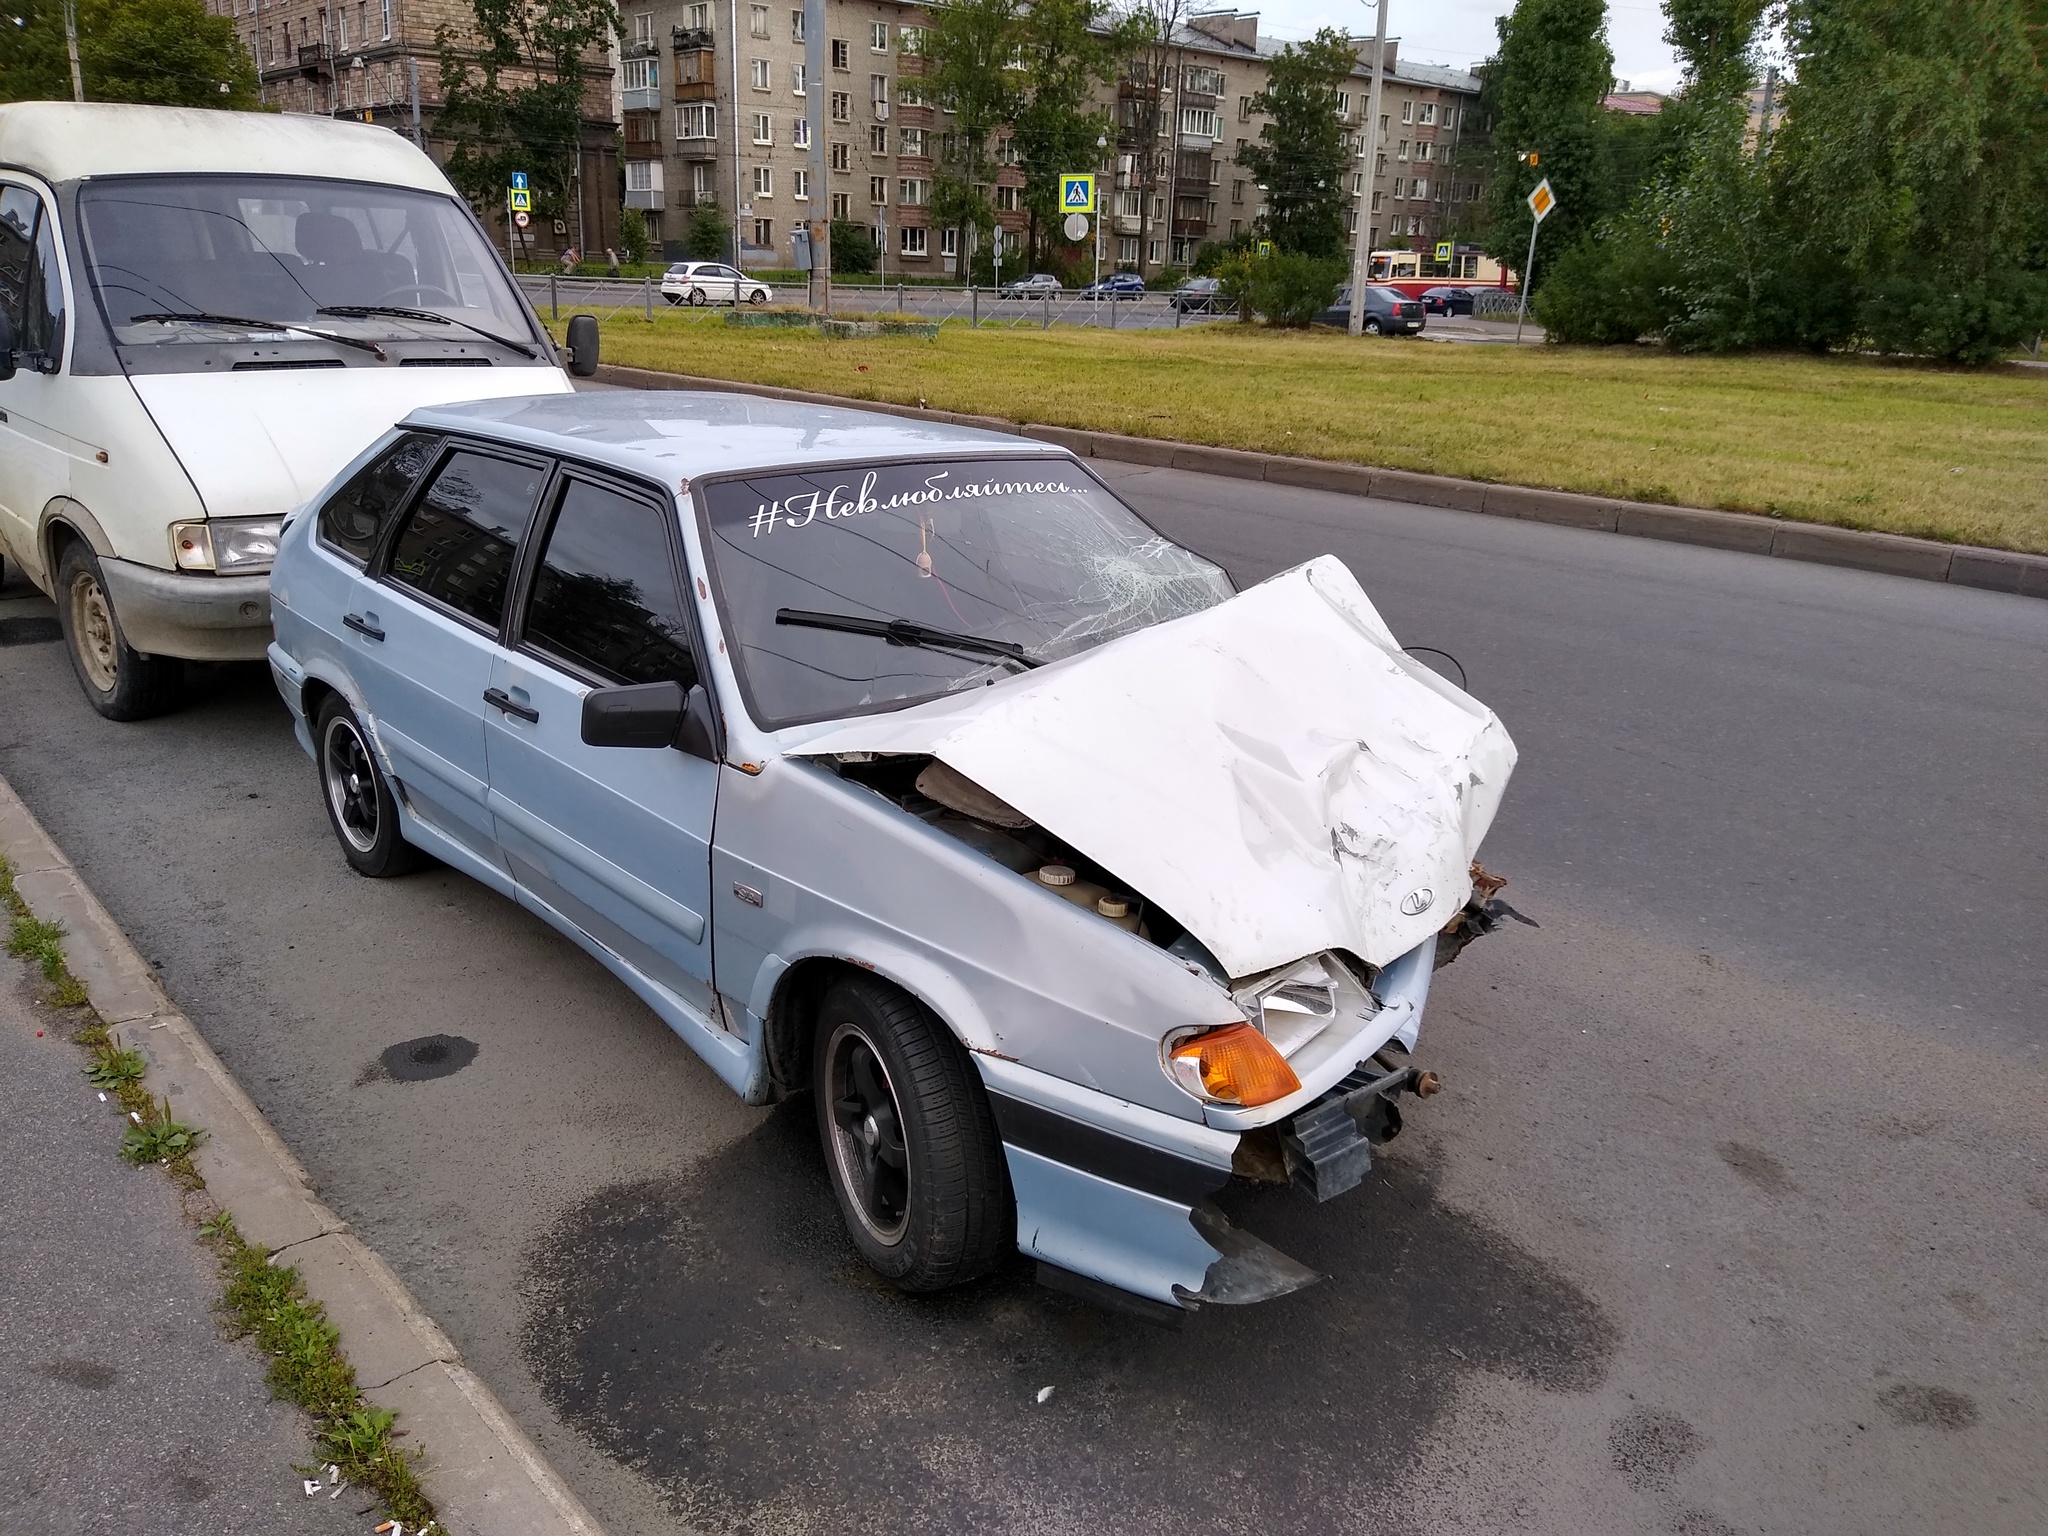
[651,715]
[583,345]
[6,346]
[643,715]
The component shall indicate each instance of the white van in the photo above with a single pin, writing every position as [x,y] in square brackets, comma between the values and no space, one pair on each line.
[203,316]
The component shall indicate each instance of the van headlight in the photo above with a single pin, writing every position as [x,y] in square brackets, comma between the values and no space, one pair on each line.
[233,546]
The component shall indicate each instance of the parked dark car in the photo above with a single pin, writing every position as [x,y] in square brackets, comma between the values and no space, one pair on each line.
[1200,296]
[1030,287]
[1118,285]
[1447,301]
[1388,312]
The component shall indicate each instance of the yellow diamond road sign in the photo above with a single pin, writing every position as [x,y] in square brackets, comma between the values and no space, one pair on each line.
[522,200]
[1077,194]
[1542,200]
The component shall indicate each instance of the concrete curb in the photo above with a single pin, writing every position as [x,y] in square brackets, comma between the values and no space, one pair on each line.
[485,1476]
[1963,565]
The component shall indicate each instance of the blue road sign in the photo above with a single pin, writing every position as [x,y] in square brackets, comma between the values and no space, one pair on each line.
[519,181]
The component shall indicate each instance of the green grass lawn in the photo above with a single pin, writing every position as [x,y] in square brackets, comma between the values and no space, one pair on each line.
[1944,454]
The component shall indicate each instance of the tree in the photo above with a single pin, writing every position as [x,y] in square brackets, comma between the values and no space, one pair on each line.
[853,246]
[513,96]
[1543,90]
[1068,47]
[165,53]
[709,236]
[634,243]
[969,52]
[1914,160]
[1300,157]
[1151,64]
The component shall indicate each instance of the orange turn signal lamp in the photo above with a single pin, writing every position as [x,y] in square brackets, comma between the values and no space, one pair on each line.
[1232,1065]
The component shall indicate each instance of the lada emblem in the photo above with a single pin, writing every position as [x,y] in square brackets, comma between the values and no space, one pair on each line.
[1418,901]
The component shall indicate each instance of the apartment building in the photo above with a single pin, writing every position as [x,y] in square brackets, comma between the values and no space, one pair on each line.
[378,61]
[713,97]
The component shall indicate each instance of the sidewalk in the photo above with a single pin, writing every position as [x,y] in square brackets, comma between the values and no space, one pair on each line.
[123,1407]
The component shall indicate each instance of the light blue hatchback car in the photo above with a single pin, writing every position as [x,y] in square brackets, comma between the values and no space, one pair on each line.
[907,766]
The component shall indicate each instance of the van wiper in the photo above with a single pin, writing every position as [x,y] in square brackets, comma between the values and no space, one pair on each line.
[399,312]
[198,317]
[904,632]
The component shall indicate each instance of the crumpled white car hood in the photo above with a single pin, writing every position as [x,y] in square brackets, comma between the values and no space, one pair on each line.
[1273,771]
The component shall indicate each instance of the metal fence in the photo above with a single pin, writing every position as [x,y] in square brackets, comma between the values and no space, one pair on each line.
[1495,302]
[609,297]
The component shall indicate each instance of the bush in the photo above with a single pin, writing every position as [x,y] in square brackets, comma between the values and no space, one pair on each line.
[853,247]
[634,246]
[1166,279]
[1291,289]
[1211,255]
[709,237]
[1606,290]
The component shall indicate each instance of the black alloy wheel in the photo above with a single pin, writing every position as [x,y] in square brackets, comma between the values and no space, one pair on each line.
[910,1143]
[360,805]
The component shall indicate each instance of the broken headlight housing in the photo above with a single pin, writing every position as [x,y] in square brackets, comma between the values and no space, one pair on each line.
[233,546]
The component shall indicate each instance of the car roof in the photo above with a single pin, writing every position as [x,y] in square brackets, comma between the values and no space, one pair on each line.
[63,140]
[675,435]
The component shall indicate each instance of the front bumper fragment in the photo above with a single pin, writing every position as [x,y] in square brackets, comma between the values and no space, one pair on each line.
[1328,1145]
[201,618]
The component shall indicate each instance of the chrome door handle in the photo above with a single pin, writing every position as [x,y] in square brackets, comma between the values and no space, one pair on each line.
[498,698]
[362,626]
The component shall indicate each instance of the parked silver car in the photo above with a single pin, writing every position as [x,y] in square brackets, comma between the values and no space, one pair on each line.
[906,765]
[712,282]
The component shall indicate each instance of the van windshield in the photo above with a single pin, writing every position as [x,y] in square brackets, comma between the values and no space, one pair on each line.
[289,250]
[853,590]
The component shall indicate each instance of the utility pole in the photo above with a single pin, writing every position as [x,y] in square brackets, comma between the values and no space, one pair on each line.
[71,47]
[732,49]
[413,66]
[1361,248]
[814,117]
[1763,128]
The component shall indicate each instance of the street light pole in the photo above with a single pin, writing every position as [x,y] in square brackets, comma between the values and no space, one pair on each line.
[1101,147]
[71,48]
[1361,251]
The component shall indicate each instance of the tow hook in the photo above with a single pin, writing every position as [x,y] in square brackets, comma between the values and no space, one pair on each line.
[1328,1145]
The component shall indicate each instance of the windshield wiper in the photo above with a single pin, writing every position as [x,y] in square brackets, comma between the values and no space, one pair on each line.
[198,317]
[362,311]
[904,632]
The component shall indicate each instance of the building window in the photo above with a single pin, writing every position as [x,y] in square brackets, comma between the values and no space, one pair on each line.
[704,179]
[842,206]
[1202,80]
[386,7]
[1127,250]
[842,54]
[1236,228]
[911,191]
[796,26]
[878,139]
[643,27]
[1244,109]
[697,120]
[1154,256]
[697,18]
[878,191]
[842,157]
[1407,111]
[1357,182]
[910,39]
[801,135]
[640,175]
[1237,191]
[757,20]
[1399,195]
[878,37]
[912,242]
[640,74]
[878,94]
[758,73]
[842,107]
[1450,117]
[796,78]
[1376,201]
[1379,165]
[1006,199]
[1006,151]
[800,185]
[1427,112]
[764,181]
[1343,103]
[911,141]
[1199,120]
[764,234]
[764,128]
[1422,149]
[949,243]
[1401,150]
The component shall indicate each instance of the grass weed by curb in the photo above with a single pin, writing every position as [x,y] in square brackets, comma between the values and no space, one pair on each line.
[261,1299]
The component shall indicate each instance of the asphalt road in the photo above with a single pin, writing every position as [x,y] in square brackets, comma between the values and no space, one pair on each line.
[1733,1217]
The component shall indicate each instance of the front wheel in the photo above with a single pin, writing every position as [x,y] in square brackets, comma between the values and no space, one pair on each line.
[360,805]
[910,1143]
[119,681]
[758,296]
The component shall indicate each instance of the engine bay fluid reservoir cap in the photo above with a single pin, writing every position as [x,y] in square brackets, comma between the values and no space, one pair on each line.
[1056,874]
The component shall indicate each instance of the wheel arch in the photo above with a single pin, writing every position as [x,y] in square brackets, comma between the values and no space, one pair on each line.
[799,992]
[63,521]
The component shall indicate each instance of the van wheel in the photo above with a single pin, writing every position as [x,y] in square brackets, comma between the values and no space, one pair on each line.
[910,1142]
[360,805]
[119,681]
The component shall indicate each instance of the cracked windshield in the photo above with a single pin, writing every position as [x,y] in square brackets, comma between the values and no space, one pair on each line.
[860,589]
[218,259]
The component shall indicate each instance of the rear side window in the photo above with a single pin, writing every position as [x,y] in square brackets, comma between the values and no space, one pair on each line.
[354,517]
[460,541]
[606,597]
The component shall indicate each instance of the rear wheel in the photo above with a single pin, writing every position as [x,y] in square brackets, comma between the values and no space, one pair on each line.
[1372,326]
[910,1143]
[119,681]
[360,805]
[696,298]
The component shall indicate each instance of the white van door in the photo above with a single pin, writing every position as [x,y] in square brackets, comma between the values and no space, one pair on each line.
[35,453]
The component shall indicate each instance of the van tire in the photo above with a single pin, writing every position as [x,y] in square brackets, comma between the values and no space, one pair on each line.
[118,680]
[949,1217]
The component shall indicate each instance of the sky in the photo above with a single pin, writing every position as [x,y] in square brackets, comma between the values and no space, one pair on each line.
[1460,32]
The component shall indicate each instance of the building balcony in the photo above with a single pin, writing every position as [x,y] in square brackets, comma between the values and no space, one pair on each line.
[315,62]
[697,90]
[640,149]
[641,98]
[697,149]
[1196,142]
[1191,226]
[651,198]
[690,39]
[1126,224]
[639,51]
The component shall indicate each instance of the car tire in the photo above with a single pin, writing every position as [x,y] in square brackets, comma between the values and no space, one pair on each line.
[758,296]
[119,681]
[360,806]
[696,297]
[1371,326]
[889,1077]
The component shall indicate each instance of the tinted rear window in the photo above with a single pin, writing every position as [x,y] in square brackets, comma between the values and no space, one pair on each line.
[354,517]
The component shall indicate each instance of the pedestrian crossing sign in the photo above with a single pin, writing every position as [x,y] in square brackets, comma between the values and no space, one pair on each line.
[1443,250]
[522,200]
[1077,194]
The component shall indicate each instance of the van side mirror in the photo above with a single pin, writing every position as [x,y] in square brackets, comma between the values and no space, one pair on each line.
[651,715]
[6,346]
[583,345]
